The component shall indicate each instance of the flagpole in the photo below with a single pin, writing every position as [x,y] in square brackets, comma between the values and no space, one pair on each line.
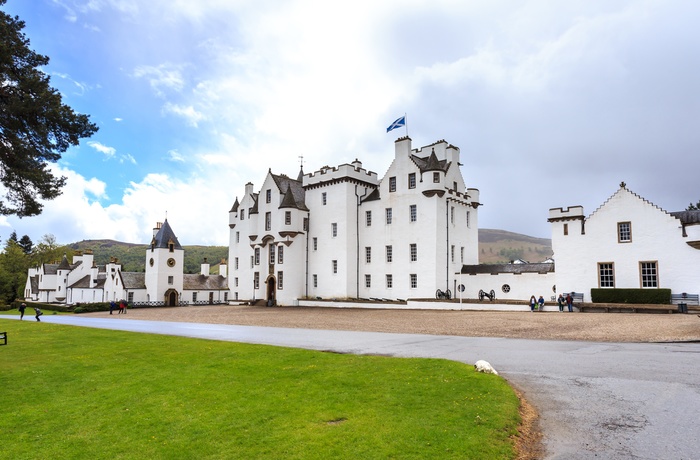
[405,123]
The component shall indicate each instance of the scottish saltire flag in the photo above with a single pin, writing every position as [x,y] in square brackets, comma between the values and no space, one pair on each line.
[397,124]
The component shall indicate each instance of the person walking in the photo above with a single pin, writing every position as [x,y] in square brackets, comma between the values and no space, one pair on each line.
[533,302]
[122,306]
[38,313]
[570,302]
[112,306]
[22,307]
[560,301]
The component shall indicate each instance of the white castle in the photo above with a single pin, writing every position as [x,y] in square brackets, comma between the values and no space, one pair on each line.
[343,232]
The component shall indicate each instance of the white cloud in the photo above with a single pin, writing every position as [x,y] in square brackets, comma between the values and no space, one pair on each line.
[189,113]
[108,152]
[161,78]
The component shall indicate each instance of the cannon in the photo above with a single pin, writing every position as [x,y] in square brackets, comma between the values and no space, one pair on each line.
[491,295]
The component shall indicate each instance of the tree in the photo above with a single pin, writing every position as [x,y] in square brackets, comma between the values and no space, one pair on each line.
[13,271]
[694,207]
[48,251]
[35,126]
[26,244]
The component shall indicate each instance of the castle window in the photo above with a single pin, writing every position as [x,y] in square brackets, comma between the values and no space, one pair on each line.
[235,263]
[649,274]
[452,253]
[412,180]
[287,217]
[306,224]
[606,275]
[452,214]
[334,229]
[624,232]
[272,255]
[413,213]
[388,216]
[392,184]
[268,221]
[368,254]
[389,281]
[242,214]
[368,281]
[280,254]
[315,243]
[368,218]
[257,256]
[389,253]
[468,220]
[413,252]
[461,255]
[194,297]
[280,280]
[315,277]
[238,237]
[235,282]
[414,280]
[566,229]
[268,196]
[170,280]
[334,265]
[256,280]
[323,198]
[436,177]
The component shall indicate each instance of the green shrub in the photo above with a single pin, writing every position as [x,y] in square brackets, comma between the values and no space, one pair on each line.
[632,296]
[91,307]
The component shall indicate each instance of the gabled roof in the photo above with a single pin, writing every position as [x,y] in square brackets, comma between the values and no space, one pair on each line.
[164,236]
[134,280]
[192,282]
[373,196]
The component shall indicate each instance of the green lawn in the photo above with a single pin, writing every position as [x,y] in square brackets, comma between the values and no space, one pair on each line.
[80,393]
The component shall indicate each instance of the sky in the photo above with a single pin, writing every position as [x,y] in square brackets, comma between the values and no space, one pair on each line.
[552,104]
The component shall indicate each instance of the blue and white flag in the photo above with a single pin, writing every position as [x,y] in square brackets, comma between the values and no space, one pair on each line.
[397,124]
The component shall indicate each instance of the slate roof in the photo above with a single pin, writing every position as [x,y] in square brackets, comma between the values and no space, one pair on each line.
[687,217]
[508,268]
[194,282]
[64,265]
[50,269]
[288,186]
[134,280]
[164,235]
[431,163]
[83,282]
[236,204]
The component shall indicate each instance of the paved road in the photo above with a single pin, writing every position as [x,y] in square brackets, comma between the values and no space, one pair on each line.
[596,400]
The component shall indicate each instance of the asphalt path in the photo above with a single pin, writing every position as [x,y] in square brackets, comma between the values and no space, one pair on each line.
[596,400]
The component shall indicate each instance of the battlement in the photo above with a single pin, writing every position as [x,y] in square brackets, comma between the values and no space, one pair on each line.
[353,171]
[570,213]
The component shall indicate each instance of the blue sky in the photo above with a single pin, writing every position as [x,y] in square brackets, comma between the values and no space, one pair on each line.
[551,103]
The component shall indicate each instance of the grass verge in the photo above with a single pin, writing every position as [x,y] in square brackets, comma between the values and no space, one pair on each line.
[80,393]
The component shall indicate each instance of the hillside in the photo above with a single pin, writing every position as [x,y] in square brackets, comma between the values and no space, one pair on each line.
[133,256]
[495,246]
[500,246]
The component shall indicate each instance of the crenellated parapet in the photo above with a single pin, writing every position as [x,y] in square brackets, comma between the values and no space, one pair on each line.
[343,173]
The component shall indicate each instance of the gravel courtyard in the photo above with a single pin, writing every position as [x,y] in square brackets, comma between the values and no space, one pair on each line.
[598,327]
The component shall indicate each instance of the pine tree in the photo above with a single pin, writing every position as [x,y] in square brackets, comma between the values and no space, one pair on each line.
[35,126]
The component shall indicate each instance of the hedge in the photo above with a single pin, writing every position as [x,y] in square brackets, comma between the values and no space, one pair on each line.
[632,296]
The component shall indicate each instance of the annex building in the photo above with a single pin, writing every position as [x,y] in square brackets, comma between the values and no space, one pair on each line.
[161,283]
[344,233]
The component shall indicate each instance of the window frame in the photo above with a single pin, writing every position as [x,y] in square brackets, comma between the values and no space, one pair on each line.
[392,184]
[607,279]
[413,213]
[624,232]
[411,180]
[651,278]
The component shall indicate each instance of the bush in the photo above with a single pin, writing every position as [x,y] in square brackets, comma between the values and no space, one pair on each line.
[632,296]
[91,307]
[63,308]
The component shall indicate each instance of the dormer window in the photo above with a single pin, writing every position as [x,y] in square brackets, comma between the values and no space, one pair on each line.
[171,246]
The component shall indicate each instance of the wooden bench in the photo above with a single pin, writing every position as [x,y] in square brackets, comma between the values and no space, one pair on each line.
[3,338]
[691,299]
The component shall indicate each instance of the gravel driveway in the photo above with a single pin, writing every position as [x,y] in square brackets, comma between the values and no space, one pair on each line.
[597,327]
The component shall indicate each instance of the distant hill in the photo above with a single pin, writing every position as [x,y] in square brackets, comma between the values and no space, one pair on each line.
[133,256]
[500,246]
[495,246]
